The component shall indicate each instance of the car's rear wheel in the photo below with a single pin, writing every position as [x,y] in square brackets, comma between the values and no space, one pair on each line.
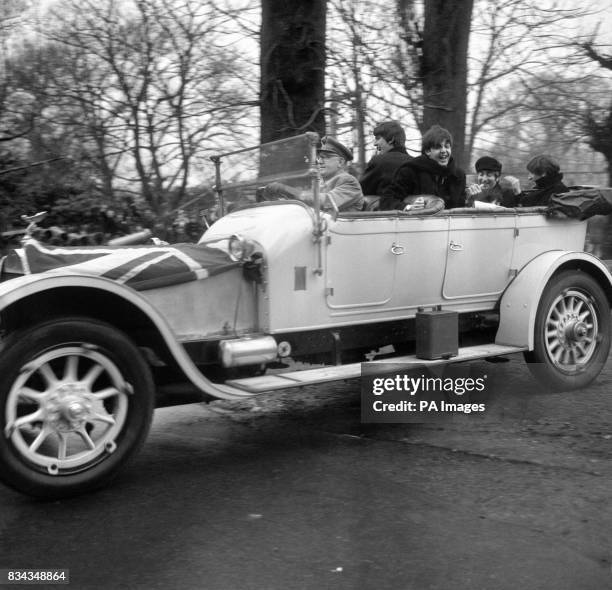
[76,401]
[572,332]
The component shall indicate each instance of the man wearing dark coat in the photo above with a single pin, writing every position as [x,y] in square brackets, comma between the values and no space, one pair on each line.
[390,140]
[432,173]
[546,174]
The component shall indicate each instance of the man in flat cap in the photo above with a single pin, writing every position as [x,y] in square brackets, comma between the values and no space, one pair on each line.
[337,185]
[488,189]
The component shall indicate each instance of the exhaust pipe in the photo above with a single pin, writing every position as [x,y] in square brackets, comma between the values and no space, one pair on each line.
[248,351]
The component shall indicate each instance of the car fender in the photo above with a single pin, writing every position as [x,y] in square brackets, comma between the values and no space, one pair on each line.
[20,288]
[519,302]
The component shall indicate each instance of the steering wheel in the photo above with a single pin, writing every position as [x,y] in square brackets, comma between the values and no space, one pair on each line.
[276,191]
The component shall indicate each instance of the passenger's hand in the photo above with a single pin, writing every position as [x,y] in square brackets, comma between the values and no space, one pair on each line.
[513,183]
[473,190]
[418,203]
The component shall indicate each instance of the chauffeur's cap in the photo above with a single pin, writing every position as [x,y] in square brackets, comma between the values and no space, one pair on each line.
[333,146]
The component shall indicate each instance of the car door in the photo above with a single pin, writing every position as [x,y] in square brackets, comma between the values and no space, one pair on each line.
[421,244]
[479,255]
[359,264]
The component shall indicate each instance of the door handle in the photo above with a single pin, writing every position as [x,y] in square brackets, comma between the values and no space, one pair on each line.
[397,249]
[455,247]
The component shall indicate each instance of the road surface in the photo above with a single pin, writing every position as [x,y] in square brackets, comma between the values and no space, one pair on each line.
[291,491]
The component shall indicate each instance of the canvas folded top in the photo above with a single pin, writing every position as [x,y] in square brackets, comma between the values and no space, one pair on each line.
[581,203]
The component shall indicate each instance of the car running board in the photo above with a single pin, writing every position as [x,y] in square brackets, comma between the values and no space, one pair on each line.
[337,373]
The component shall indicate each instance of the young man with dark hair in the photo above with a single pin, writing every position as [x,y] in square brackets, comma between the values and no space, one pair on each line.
[390,140]
[545,172]
[488,188]
[432,173]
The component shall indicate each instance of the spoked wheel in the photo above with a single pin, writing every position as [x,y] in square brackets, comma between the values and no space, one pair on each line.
[572,332]
[77,401]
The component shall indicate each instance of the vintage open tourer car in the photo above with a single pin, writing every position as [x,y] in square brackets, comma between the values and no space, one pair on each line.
[275,295]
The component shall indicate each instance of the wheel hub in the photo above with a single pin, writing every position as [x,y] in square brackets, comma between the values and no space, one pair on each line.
[573,331]
[68,408]
[576,331]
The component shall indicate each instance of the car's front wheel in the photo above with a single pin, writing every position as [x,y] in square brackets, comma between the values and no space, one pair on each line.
[572,332]
[76,401]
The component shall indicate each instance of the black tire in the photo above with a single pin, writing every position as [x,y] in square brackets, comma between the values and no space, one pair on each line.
[572,332]
[76,401]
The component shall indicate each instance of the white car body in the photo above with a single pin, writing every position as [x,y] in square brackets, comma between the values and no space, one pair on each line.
[329,289]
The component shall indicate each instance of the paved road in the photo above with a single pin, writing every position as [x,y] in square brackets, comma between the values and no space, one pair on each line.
[292,491]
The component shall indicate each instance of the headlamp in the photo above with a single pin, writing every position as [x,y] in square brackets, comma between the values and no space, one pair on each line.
[240,248]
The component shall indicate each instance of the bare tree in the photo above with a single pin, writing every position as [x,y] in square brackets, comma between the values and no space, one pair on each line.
[153,83]
[511,47]
[598,123]
[16,119]
[544,94]
[360,51]
[414,64]
[417,62]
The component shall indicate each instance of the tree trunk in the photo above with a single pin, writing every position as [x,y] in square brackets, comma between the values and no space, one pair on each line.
[444,68]
[292,87]
[600,133]
[600,139]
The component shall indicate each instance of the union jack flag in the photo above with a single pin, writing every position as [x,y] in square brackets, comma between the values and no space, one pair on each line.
[140,267]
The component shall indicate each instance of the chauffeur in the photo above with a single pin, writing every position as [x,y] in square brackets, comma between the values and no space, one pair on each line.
[336,183]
